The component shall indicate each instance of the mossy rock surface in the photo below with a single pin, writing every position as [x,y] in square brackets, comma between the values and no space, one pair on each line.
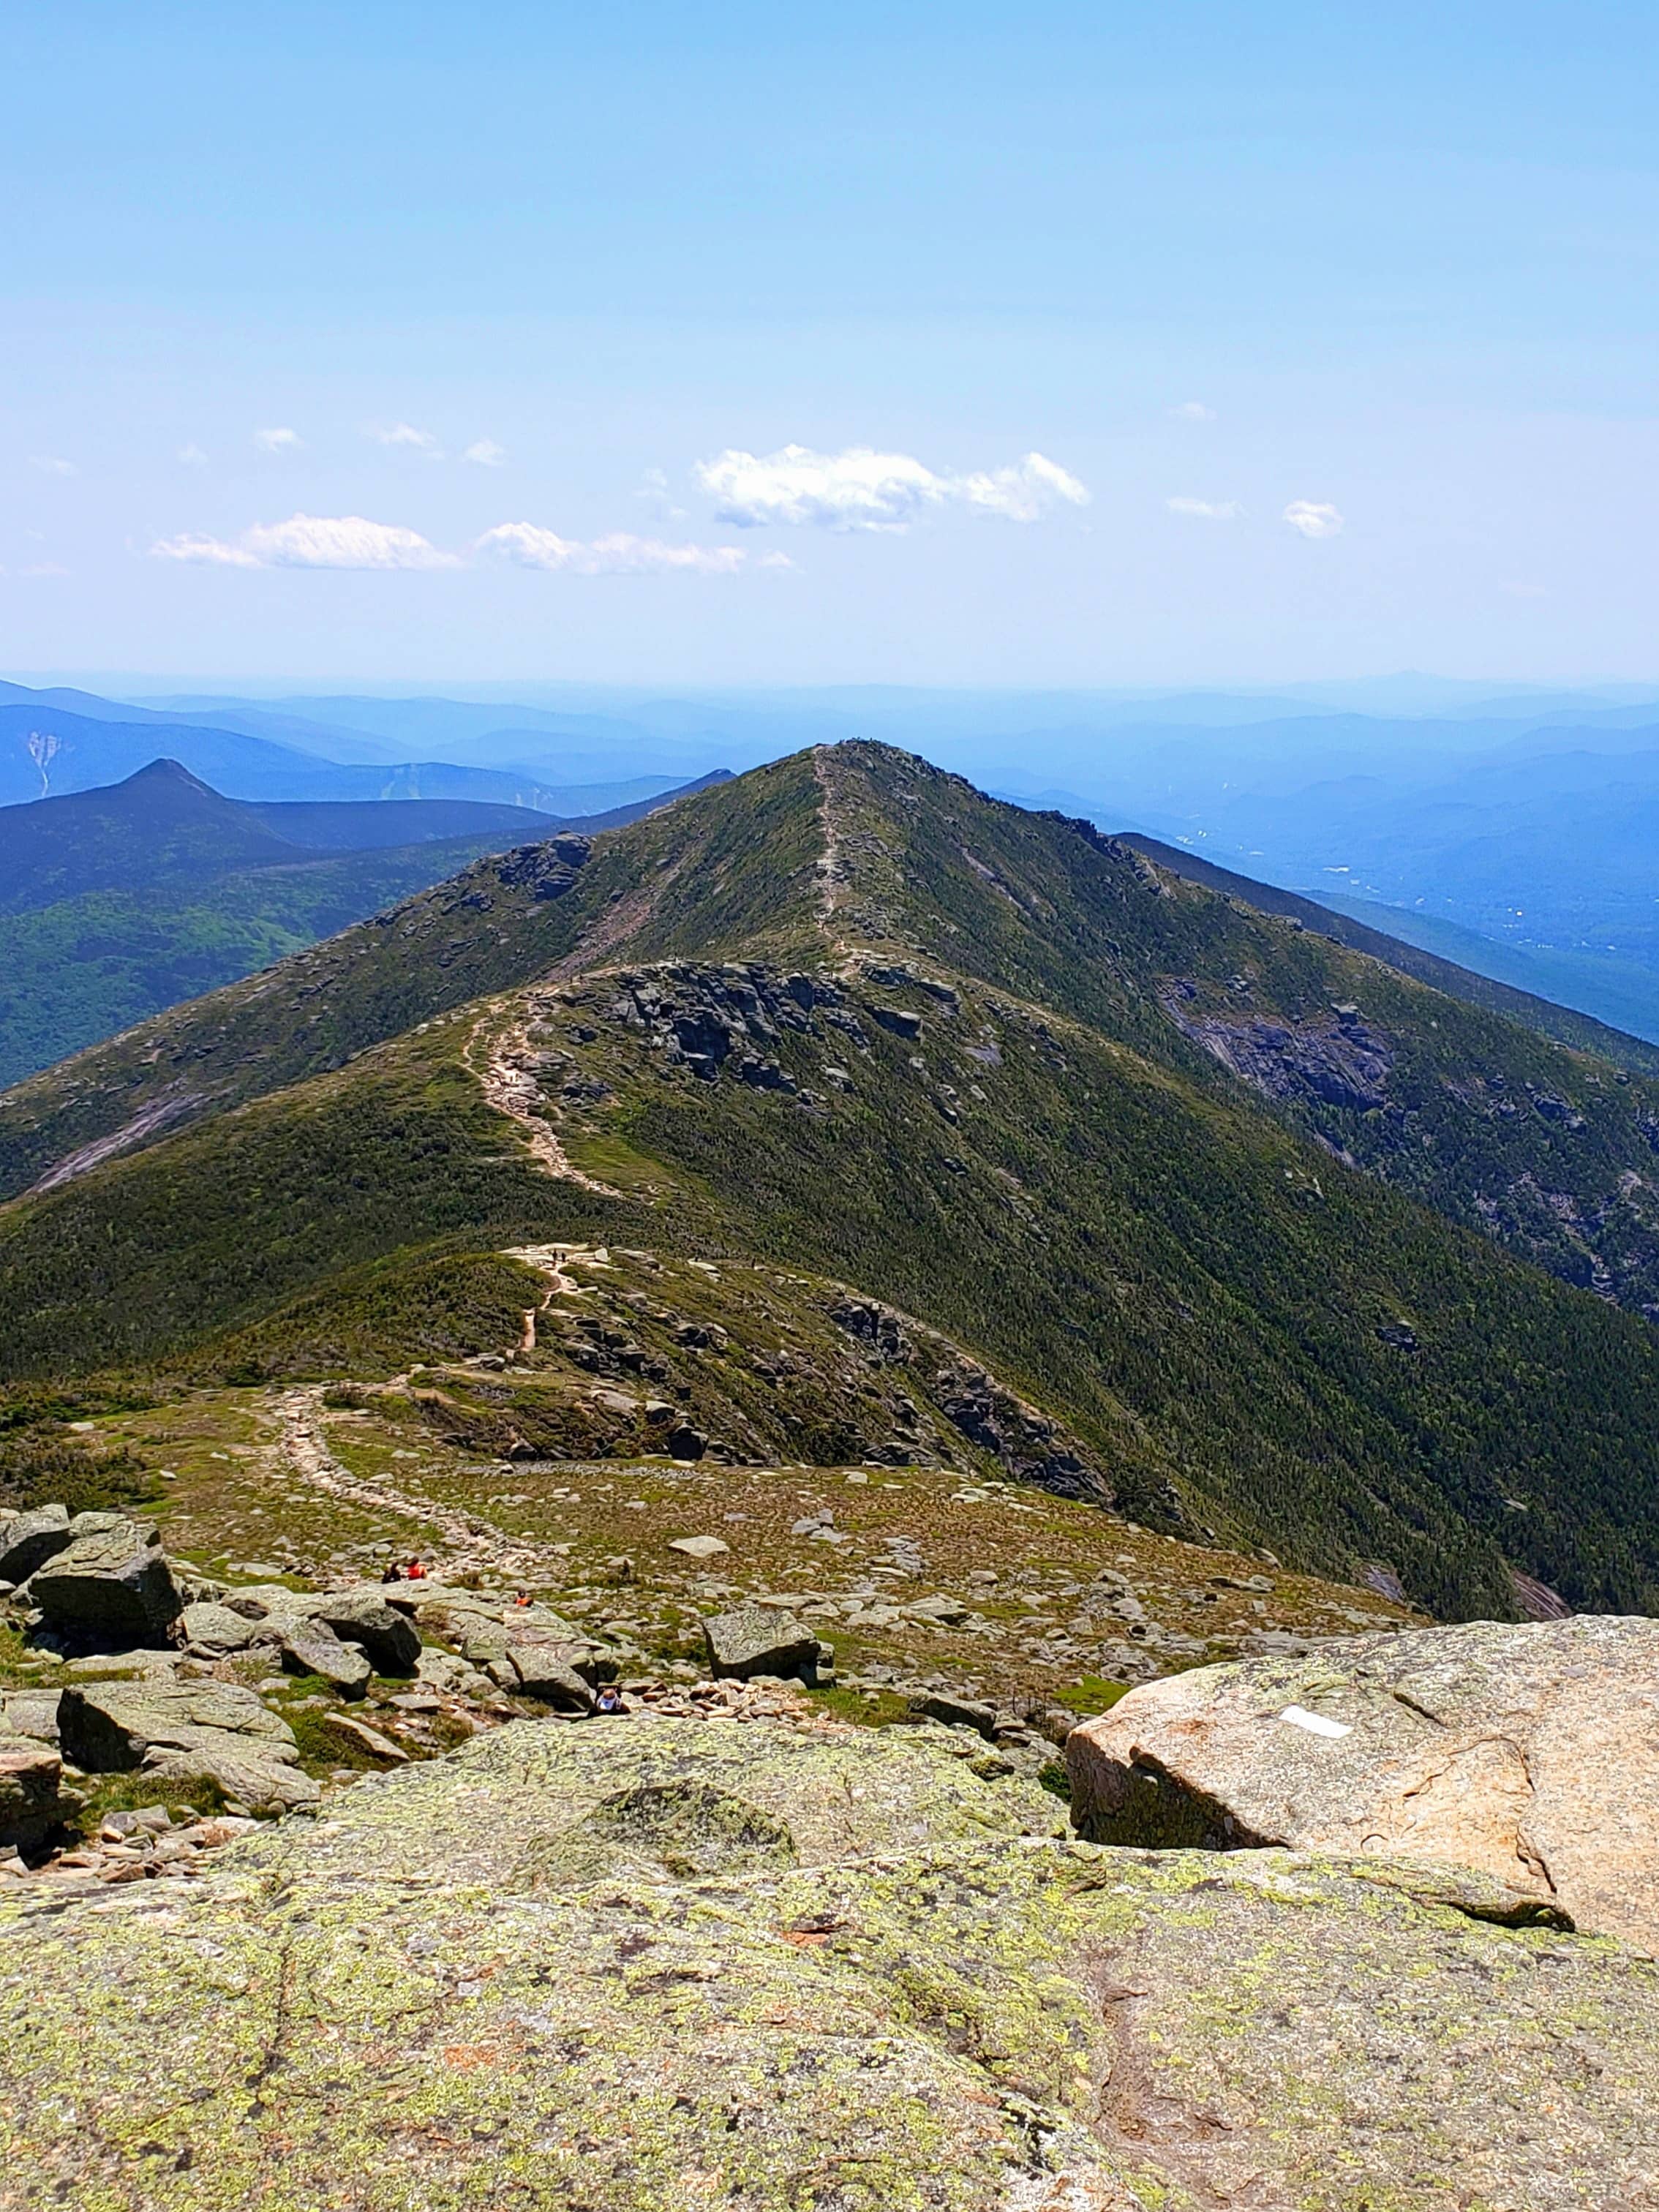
[884,1985]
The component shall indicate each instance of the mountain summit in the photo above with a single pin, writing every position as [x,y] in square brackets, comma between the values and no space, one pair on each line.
[1168,1203]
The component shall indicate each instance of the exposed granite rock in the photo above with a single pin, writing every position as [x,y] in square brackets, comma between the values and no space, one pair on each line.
[311,1647]
[755,1640]
[1530,1753]
[28,1540]
[665,1963]
[114,1583]
[33,1798]
[211,1729]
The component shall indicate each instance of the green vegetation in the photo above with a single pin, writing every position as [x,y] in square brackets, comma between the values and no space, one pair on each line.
[997,1096]
[84,967]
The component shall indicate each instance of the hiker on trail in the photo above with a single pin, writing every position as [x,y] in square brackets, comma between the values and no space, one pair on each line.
[416,1571]
[608,1701]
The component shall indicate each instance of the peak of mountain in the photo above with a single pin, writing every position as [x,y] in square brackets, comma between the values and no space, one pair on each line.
[1283,1244]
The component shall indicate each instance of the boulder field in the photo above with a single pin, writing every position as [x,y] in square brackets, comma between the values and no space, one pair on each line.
[656,1963]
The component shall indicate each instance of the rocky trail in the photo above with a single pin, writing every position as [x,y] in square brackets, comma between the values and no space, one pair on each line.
[471,1543]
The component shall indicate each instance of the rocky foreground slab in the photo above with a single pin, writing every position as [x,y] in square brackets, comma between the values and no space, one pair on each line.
[666,1963]
[1528,1754]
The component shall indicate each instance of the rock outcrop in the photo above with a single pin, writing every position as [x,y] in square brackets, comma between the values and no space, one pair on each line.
[655,1963]
[1528,1754]
[756,1639]
[113,1585]
[211,1729]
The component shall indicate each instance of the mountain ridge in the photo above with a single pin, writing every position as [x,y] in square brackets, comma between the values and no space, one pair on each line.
[845,1014]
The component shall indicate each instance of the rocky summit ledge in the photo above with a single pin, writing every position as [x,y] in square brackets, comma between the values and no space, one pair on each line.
[664,1963]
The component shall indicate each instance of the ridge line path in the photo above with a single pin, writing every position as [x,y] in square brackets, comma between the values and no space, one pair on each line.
[508,1080]
[474,1542]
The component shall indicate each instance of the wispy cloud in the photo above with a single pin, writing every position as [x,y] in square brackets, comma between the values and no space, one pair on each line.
[862,489]
[53,464]
[280,440]
[656,493]
[1207,510]
[193,456]
[1192,410]
[1313,518]
[350,541]
[485,453]
[311,541]
[526,545]
[411,440]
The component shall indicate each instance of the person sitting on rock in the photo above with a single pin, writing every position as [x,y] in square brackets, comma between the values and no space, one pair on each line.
[394,1573]
[609,1701]
[521,1597]
[415,1572]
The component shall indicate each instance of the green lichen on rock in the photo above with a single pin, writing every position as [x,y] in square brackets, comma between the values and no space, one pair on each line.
[660,1963]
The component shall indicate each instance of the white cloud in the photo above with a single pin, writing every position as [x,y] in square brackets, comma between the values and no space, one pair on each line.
[414,440]
[526,545]
[862,489]
[1207,510]
[278,440]
[311,541]
[194,545]
[1313,519]
[50,465]
[193,456]
[485,453]
[1192,410]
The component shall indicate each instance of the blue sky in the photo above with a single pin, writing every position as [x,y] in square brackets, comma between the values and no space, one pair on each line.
[1331,329]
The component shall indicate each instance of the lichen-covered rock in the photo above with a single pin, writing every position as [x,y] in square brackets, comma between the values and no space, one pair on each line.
[216,1730]
[1529,1752]
[113,1584]
[672,1964]
[311,1647]
[28,1540]
[757,1640]
[33,1798]
[364,1618]
[547,1671]
[214,1630]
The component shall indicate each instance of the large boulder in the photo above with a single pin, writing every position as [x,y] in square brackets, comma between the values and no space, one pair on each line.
[1530,1753]
[33,1799]
[113,1585]
[756,1639]
[213,1631]
[364,1617]
[215,1729]
[677,1963]
[311,1647]
[28,1540]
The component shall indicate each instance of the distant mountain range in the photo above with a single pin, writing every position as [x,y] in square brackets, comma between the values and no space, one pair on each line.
[118,901]
[47,749]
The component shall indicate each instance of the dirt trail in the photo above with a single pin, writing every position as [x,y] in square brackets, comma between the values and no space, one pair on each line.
[831,867]
[499,1053]
[469,1541]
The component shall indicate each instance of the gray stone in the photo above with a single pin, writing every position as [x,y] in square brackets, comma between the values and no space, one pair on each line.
[1528,1754]
[178,1730]
[28,1540]
[215,1628]
[309,1647]
[33,1799]
[362,1616]
[547,1671]
[956,1712]
[757,1640]
[115,1584]
[31,1713]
